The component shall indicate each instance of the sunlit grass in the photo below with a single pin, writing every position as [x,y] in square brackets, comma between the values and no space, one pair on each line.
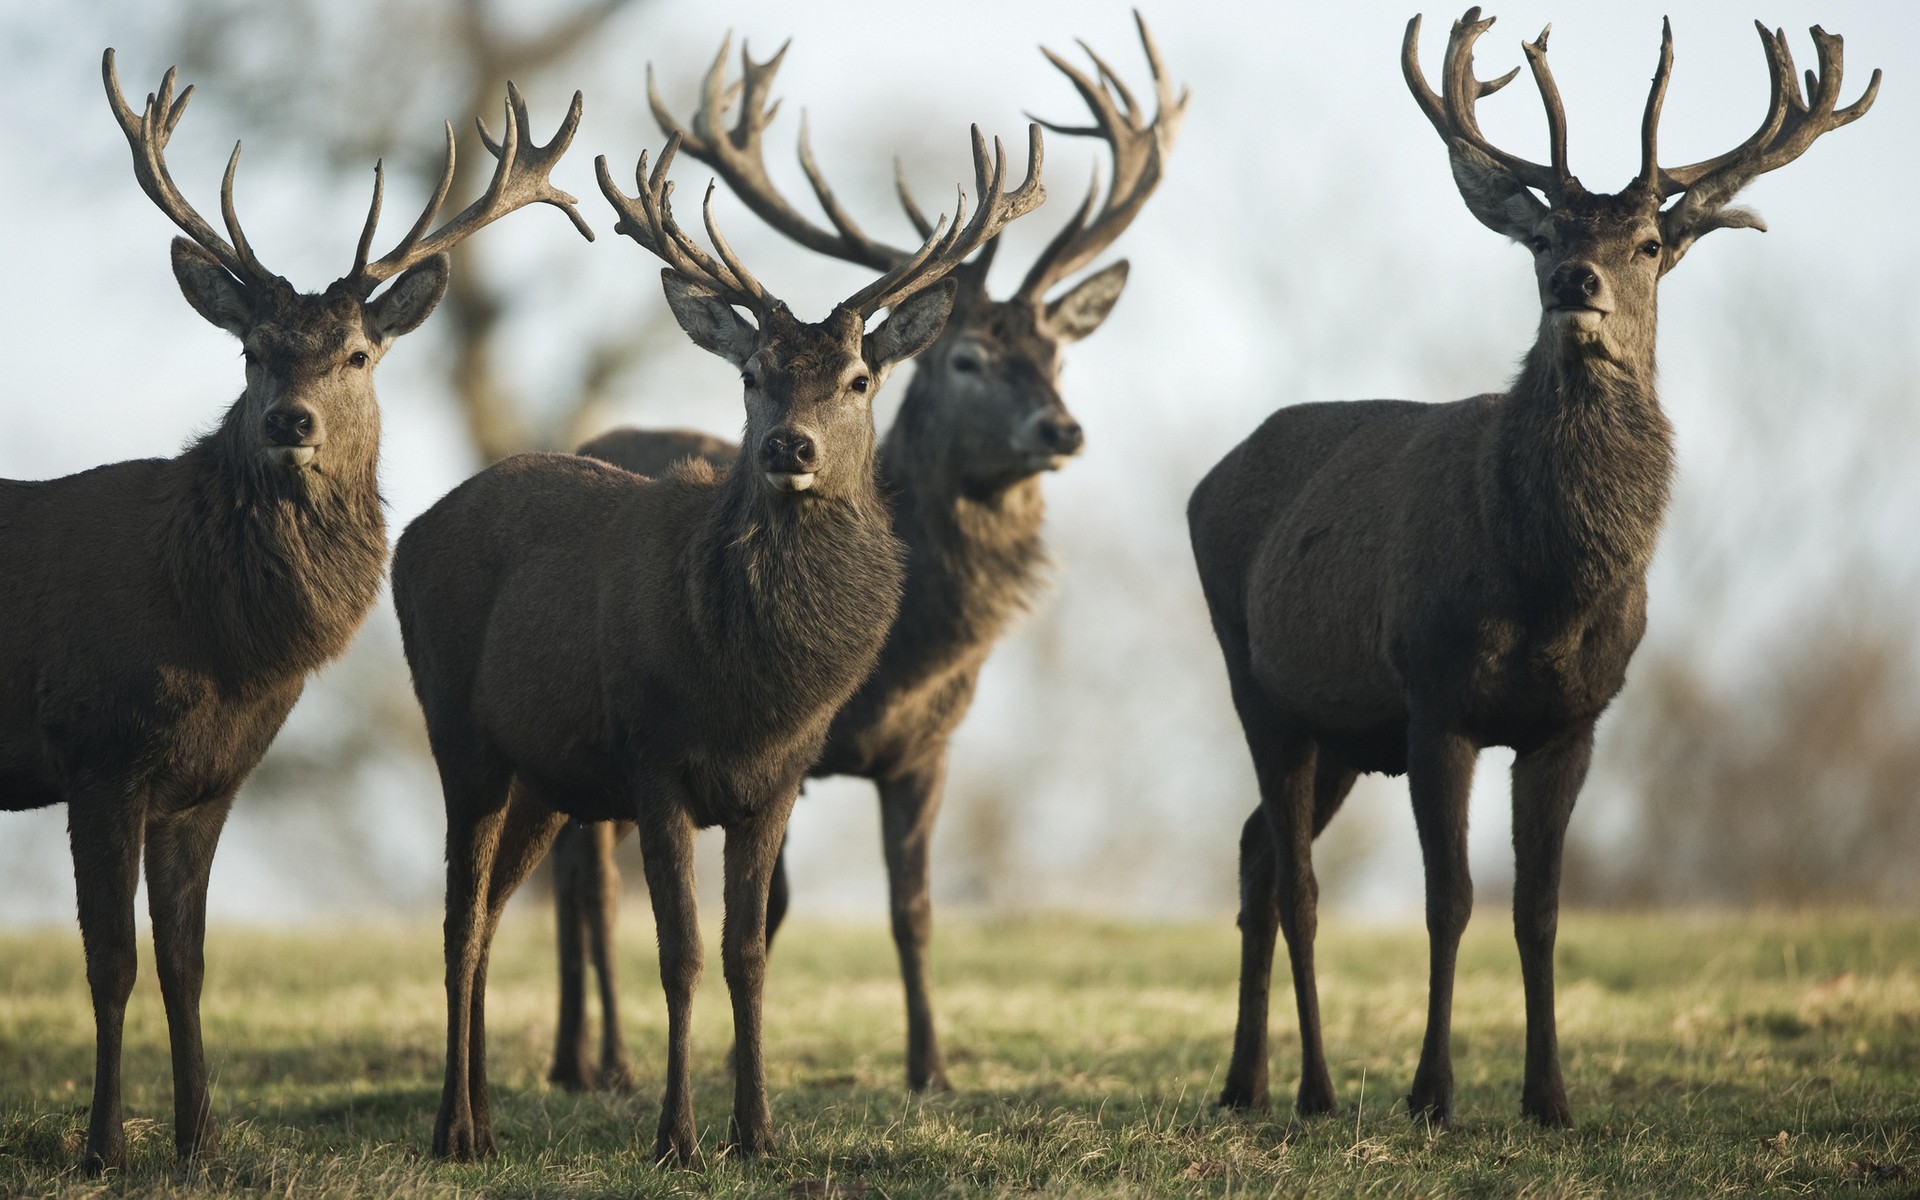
[1775,1055]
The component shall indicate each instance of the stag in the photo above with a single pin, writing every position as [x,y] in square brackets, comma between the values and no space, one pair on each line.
[1397,585]
[982,420]
[594,644]
[158,618]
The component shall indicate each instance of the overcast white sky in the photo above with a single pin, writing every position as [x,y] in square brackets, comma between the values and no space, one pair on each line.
[1308,244]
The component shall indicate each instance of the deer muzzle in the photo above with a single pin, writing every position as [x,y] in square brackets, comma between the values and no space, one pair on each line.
[788,459]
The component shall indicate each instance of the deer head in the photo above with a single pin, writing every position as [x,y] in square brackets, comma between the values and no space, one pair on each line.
[309,405]
[809,387]
[1598,258]
[996,366]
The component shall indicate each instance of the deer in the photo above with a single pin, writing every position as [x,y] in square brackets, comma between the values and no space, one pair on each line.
[159,617]
[1396,585]
[982,421]
[590,643]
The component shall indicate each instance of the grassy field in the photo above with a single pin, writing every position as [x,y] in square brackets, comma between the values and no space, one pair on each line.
[1751,1056]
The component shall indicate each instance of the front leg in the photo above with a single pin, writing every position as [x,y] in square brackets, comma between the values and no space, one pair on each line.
[476,799]
[908,805]
[1440,776]
[179,858]
[666,851]
[752,852]
[1545,784]
[105,826]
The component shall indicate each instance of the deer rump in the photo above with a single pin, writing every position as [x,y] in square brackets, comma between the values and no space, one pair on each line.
[1355,554]
[560,644]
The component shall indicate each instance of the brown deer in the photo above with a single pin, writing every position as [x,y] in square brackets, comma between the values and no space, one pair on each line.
[1397,585]
[981,421]
[594,644]
[158,618]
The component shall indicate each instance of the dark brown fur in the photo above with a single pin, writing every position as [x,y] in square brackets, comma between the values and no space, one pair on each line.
[158,620]
[595,644]
[1395,586]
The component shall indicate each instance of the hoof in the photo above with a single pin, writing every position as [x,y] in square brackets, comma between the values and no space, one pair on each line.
[1314,1100]
[1549,1113]
[1240,1097]
[675,1146]
[936,1082]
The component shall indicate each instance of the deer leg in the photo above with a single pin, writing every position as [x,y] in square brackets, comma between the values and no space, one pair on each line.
[1259,922]
[1545,785]
[179,858]
[778,895]
[666,851]
[572,1064]
[602,896]
[752,851]
[526,831]
[105,826]
[908,806]
[1440,773]
[476,799]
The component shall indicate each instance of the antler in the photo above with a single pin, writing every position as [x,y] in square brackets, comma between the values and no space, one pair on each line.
[1139,149]
[147,133]
[1792,122]
[648,219]
[519,179]
[1452,110]
[737,156]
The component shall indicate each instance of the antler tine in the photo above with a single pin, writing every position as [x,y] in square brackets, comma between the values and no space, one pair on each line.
[950,244]
[1451,112]
[1137,147]
[1536,52]
[648,220]
[365,245]
[1792,123]
[147,133]
[519,179]
[921,225]
[1650,123]
[738,158]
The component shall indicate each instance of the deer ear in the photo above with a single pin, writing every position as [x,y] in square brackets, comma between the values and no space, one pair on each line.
[402,307]
[1080,312]
[911,326]
[1500,202]
[1685,223]
[214,294]
[708,319]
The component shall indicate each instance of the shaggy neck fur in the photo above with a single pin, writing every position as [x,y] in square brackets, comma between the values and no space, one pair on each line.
[795,592]
[1583,473]
[975,557]
[274,571]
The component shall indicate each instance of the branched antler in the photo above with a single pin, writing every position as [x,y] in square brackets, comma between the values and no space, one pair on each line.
[147,134]
[648,219]
[1452,110]
[1139,148]
[519,179]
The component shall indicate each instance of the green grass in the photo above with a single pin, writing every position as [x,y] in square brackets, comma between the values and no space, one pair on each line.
[1736,1056]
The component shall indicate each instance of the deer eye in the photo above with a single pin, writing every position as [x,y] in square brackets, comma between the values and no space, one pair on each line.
[966,364]
[1537,244]
[861,383]
[357,359]
[1650,248]
[746,377]
[252,359]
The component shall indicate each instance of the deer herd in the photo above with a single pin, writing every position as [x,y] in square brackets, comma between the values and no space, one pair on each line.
[666,632]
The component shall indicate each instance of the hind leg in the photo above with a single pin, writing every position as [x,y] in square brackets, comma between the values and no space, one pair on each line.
[572,892]
[602,912]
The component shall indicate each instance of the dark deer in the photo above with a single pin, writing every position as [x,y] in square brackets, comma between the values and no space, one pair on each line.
[158,618]
[595,644]
[981,421]
[1397,585]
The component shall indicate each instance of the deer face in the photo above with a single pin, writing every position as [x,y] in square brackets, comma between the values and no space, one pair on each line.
[1598,260]
[999,413]
[809,388]
[309,358]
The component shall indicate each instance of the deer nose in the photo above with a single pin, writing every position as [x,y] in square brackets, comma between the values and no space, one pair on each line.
[789,452]
[1061,435]
[289,426]
[1575,283]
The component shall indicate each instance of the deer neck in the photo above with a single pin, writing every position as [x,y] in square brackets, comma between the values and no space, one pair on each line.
[796,592]
[1582,479]
[975,558]
[276,573]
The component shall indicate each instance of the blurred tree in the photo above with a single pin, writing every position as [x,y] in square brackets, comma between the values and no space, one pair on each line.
[394,69]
